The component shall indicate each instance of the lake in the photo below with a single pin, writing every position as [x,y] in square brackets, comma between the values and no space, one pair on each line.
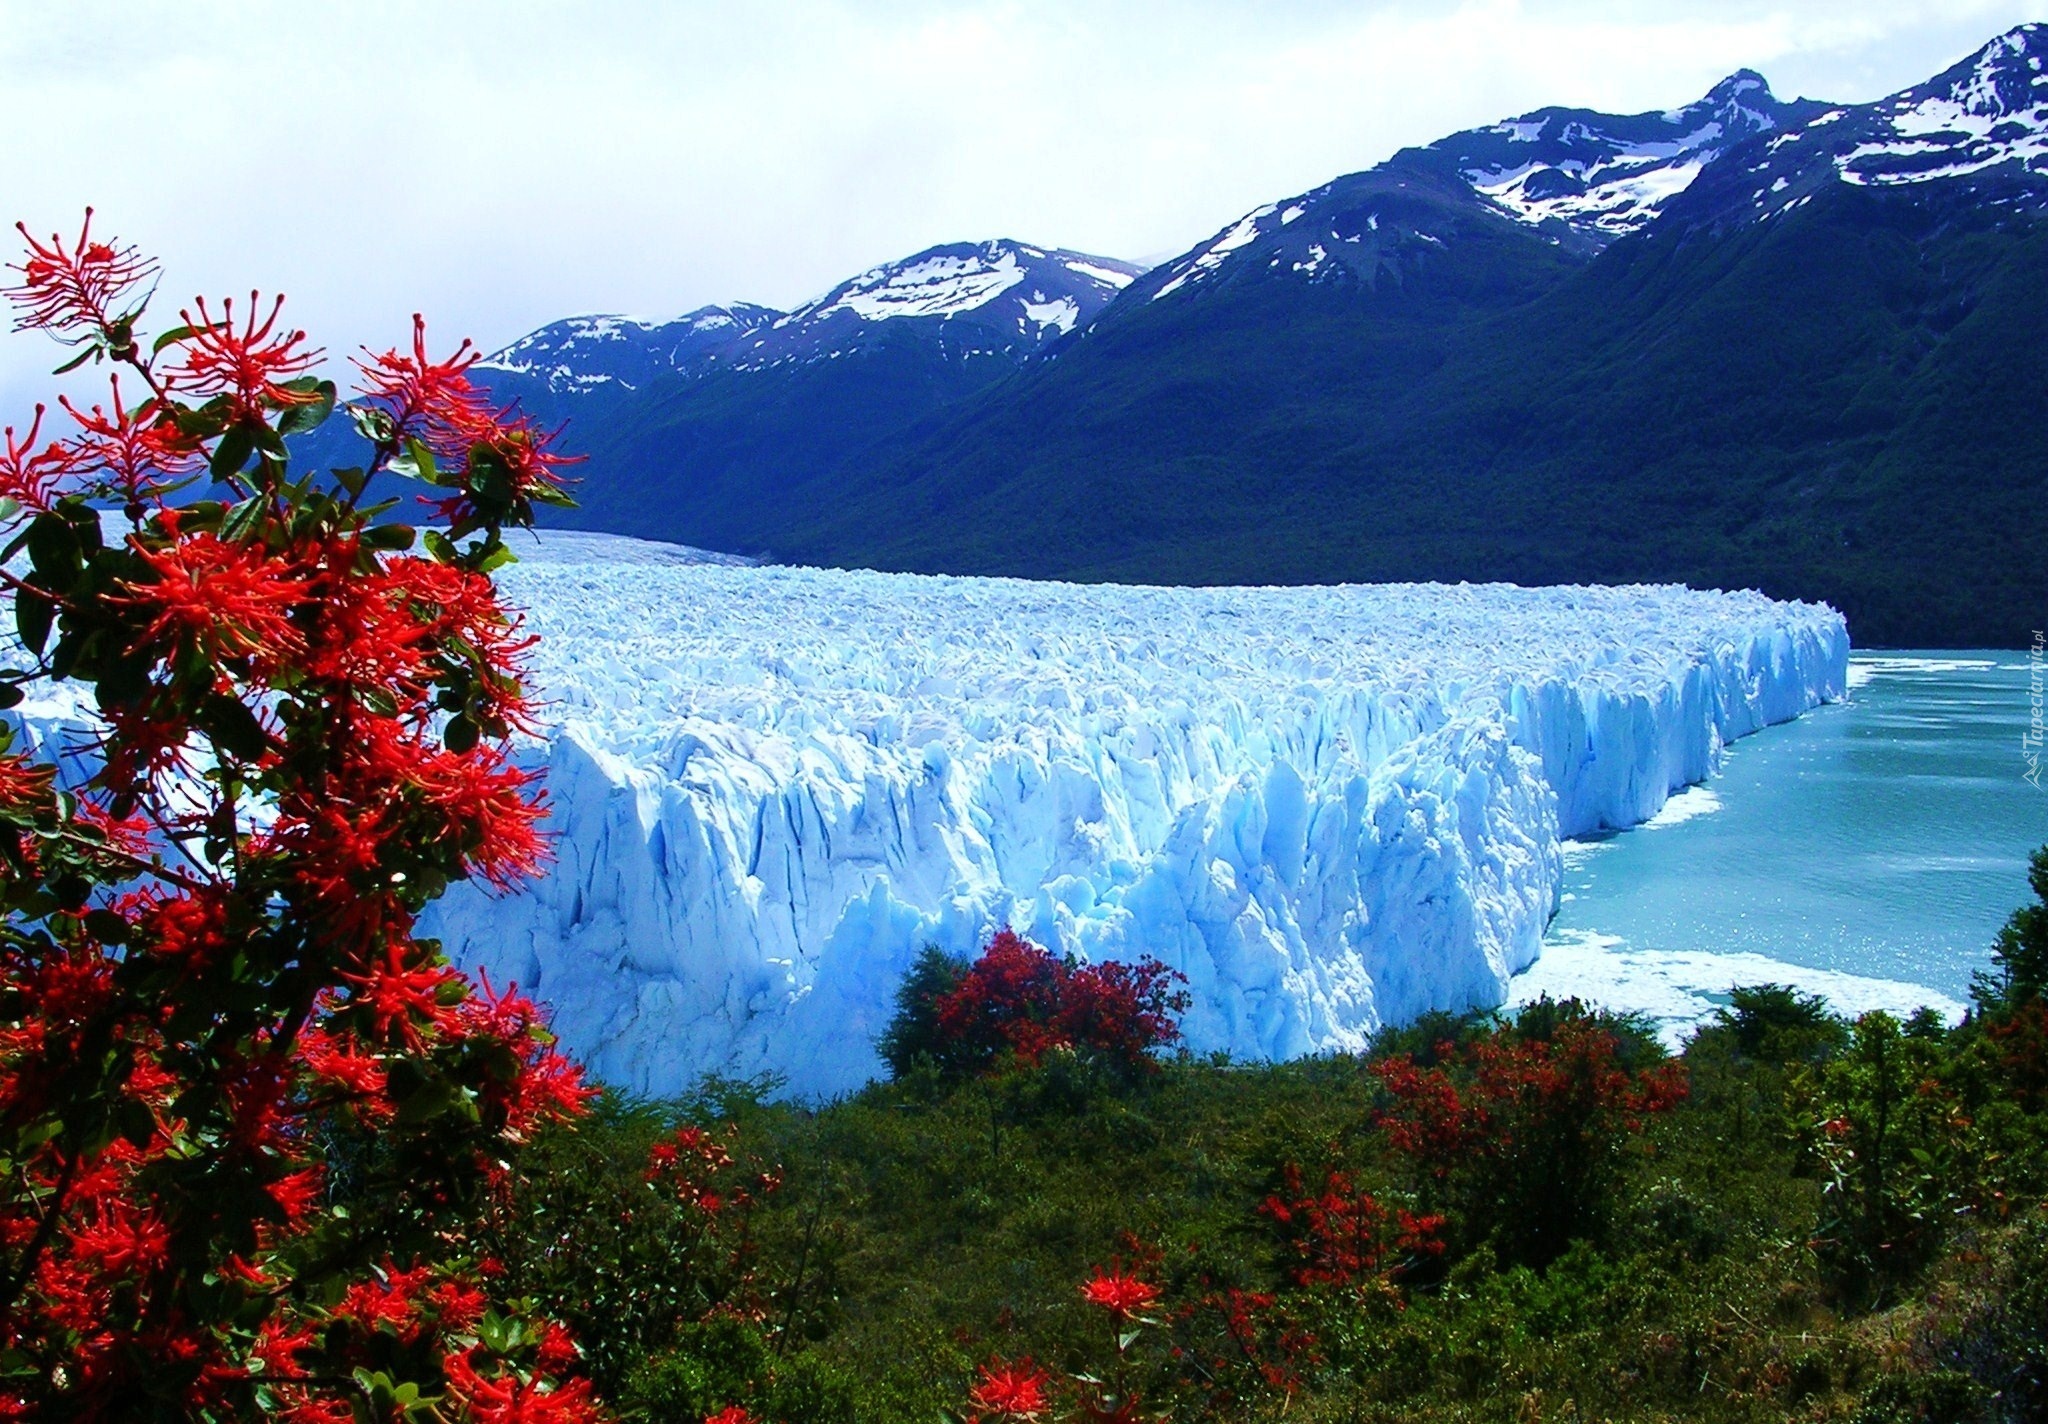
[1868,851]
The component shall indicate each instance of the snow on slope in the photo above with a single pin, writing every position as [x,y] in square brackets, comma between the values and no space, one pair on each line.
[1002,297]
[1975,135]
[1583,179]
[1608,176]
[580,353]
[1329,807]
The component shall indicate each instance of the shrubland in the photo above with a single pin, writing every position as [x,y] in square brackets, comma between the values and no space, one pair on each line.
[1537,1215]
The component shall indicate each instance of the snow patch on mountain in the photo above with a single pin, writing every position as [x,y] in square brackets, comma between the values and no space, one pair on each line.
[1606,176]
[581,353]
[1329,807]
[1977,133]
[936,286]
[992,298]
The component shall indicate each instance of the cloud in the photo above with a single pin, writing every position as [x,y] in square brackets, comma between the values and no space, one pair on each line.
[500,164]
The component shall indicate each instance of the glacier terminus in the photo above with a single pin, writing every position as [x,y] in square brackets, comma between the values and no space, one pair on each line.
[1329,807]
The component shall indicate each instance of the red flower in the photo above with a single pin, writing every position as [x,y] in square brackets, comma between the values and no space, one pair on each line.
[138,452]
[121,1239]
[731,1414]
[402,997]
[1022,999]
[248,365]
[25,787]
[1121,1295]
[295,1194]
[225,600]
[1011,1393]
[510,1399]
[431,401]
[29,476]
[77,291]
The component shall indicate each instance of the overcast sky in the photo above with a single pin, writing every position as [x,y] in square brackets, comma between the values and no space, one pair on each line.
[498,164]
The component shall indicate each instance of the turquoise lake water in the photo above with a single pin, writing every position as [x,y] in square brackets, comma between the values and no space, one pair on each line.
[1868,851]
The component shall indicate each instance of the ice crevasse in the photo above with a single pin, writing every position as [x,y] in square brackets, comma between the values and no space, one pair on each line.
[1330,808]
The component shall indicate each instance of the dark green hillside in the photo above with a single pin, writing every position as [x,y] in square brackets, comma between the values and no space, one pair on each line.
[1840,403]
[735,459]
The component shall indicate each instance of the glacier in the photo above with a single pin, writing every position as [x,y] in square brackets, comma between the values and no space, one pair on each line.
[1329,807]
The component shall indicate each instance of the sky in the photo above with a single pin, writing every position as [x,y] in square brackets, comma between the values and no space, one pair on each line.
[497,164]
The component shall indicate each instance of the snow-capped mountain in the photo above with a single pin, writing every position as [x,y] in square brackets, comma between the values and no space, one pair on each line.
[583,352]
[1976,134]
[1597,177]
[975,299]
[969,299]
[1580,178]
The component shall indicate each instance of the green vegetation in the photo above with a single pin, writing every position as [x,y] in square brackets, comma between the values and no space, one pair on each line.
[1797,1218]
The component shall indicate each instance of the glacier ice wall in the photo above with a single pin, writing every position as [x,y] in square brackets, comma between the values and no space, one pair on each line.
[1328,807]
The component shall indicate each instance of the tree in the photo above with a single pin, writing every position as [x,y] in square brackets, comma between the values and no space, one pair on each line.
[248,1118]
[1018,1002]
[2020,953]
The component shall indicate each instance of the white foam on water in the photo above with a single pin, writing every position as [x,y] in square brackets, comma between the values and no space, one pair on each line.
[1680,989]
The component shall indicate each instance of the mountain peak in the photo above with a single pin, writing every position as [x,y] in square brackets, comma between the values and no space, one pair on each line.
[1000,296]
[1743,82]
[2004,77]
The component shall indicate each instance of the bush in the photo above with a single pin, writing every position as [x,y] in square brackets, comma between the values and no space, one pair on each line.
[1884,1133]
[1521,1136]
[1018,1003]
[250,1124]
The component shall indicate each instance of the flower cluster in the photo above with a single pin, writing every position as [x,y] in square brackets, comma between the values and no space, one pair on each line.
[1343,1236]
[1009,1392]
[1123,1295]
[1023,1001]
[236,1089]
[695,1167]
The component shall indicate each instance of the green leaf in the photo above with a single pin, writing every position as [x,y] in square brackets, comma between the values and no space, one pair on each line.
[233,452]
[234,728]
[53,550]
[10,695]
[91,353]
[176,333]
[106,926]
[372,424]
[389,536]
[433,1098]
[353,479]
[312,414]
[32,618]
[461,735]
[443,551]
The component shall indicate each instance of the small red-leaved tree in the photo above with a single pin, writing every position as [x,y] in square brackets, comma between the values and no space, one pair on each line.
[1344,1237]
[1018,1002]
[248,1121]
[1522,1135]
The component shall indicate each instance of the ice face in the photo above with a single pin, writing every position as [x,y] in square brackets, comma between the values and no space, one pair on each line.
[1329,807]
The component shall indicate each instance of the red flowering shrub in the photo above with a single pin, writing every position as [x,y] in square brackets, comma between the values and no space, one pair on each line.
[216,1021]
[1020,1002]
[1343,1236]
[1521,1135]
